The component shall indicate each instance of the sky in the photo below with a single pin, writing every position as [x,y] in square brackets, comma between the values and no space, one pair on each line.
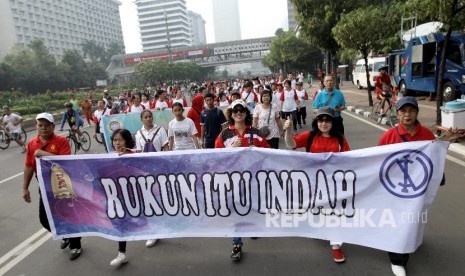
[259,18]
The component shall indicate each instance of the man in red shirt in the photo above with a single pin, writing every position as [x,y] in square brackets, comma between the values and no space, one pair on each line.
[408,129]
[46,143]
[383,87]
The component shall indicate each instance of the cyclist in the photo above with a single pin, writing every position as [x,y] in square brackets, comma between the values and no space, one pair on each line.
[383,87]
[12,126]
[72,116]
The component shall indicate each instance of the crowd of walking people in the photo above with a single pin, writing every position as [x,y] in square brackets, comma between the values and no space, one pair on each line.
[258,112]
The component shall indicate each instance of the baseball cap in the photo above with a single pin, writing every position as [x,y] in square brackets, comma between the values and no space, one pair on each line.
[46,116]
[383,68]
[325,111]
[238,102]
[407,100]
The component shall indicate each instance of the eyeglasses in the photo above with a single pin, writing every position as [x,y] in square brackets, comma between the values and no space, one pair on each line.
[239,110]
[324,120]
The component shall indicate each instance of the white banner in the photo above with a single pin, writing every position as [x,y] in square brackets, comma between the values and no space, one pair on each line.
[376,197]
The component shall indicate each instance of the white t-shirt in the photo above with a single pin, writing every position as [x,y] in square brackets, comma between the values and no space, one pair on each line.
[301,94]
[182,132]
[135,109]
[262,115]
[289,103]
[180,100]
[160,105]
[224,103]
[146,105]
[10,120]
[160,140]
[99,113]
[276,98]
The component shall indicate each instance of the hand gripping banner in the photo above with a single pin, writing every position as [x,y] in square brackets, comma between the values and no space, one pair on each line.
[376,197]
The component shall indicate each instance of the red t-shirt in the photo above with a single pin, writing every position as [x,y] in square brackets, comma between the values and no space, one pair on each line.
[230,134]
[320,143]
[56,145]
[392,137]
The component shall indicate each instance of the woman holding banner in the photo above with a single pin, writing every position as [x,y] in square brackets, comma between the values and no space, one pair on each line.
[150,138]
[240,133]
[122,143]
[322,138]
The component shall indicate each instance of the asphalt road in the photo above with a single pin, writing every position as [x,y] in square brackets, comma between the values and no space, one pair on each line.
[26,249]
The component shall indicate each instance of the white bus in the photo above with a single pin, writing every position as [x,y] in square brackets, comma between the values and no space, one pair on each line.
[359,74]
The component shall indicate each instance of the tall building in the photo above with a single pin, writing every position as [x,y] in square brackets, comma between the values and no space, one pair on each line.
[226,20]
[291,16]
[197,28]
[61,24]
[163,24]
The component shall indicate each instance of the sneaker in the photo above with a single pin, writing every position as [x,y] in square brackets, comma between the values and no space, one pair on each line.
[24,149]
[151,243]
[75,253]
[300,126]
[398,270]
[119,260]
[236,253]
[338,255]
[64,243]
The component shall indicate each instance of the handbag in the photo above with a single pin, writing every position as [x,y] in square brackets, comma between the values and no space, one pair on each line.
[265,130]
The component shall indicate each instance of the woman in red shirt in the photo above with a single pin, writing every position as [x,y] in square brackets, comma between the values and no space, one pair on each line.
[240,133]
[322,138]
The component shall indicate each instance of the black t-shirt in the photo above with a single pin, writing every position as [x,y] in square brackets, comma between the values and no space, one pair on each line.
[212,121]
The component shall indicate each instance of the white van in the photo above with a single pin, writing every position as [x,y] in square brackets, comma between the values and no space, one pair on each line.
[359,74]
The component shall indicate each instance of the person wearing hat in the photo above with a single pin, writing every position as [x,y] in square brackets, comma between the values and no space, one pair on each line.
[408,129]
[12,125]
[71,116]
[322,138]
[46,143]
[240,133]
[383,87]
[332,97]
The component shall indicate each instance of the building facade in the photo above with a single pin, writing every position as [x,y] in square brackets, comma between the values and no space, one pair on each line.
[226,20]
[197,24]
[291,16]
[164,24]
[61,24]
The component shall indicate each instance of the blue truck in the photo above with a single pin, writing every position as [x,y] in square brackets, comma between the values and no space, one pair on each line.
[416,68]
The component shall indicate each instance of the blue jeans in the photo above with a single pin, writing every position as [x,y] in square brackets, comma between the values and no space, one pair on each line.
[237,241]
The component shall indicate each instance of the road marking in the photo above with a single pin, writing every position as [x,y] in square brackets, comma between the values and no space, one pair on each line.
[24,252]
[448,157]
[11,177]
[20,247]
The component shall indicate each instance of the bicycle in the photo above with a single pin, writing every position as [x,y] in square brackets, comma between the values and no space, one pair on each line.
[6,137]
[388,113]
[76,143]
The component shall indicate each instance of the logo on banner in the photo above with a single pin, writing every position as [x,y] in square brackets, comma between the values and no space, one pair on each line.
[406,173]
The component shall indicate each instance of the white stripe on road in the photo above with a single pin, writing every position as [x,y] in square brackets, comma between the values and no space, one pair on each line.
[448,157]
[17,250]
[11,177]
[23,252]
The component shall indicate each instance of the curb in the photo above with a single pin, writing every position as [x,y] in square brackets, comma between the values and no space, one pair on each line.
[458,148]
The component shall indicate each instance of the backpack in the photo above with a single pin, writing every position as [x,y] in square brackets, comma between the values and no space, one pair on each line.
[149,147]
[312,136]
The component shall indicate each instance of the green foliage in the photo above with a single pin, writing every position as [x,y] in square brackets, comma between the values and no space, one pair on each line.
[290,53]
[450,12]
[152,72]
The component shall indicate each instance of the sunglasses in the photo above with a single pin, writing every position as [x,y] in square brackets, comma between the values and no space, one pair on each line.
[238,110]
[324,120]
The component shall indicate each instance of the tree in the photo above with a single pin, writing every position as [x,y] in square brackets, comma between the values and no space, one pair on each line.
[225,74]
[75,70]
[349,35]
[451,13]
[291,53]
